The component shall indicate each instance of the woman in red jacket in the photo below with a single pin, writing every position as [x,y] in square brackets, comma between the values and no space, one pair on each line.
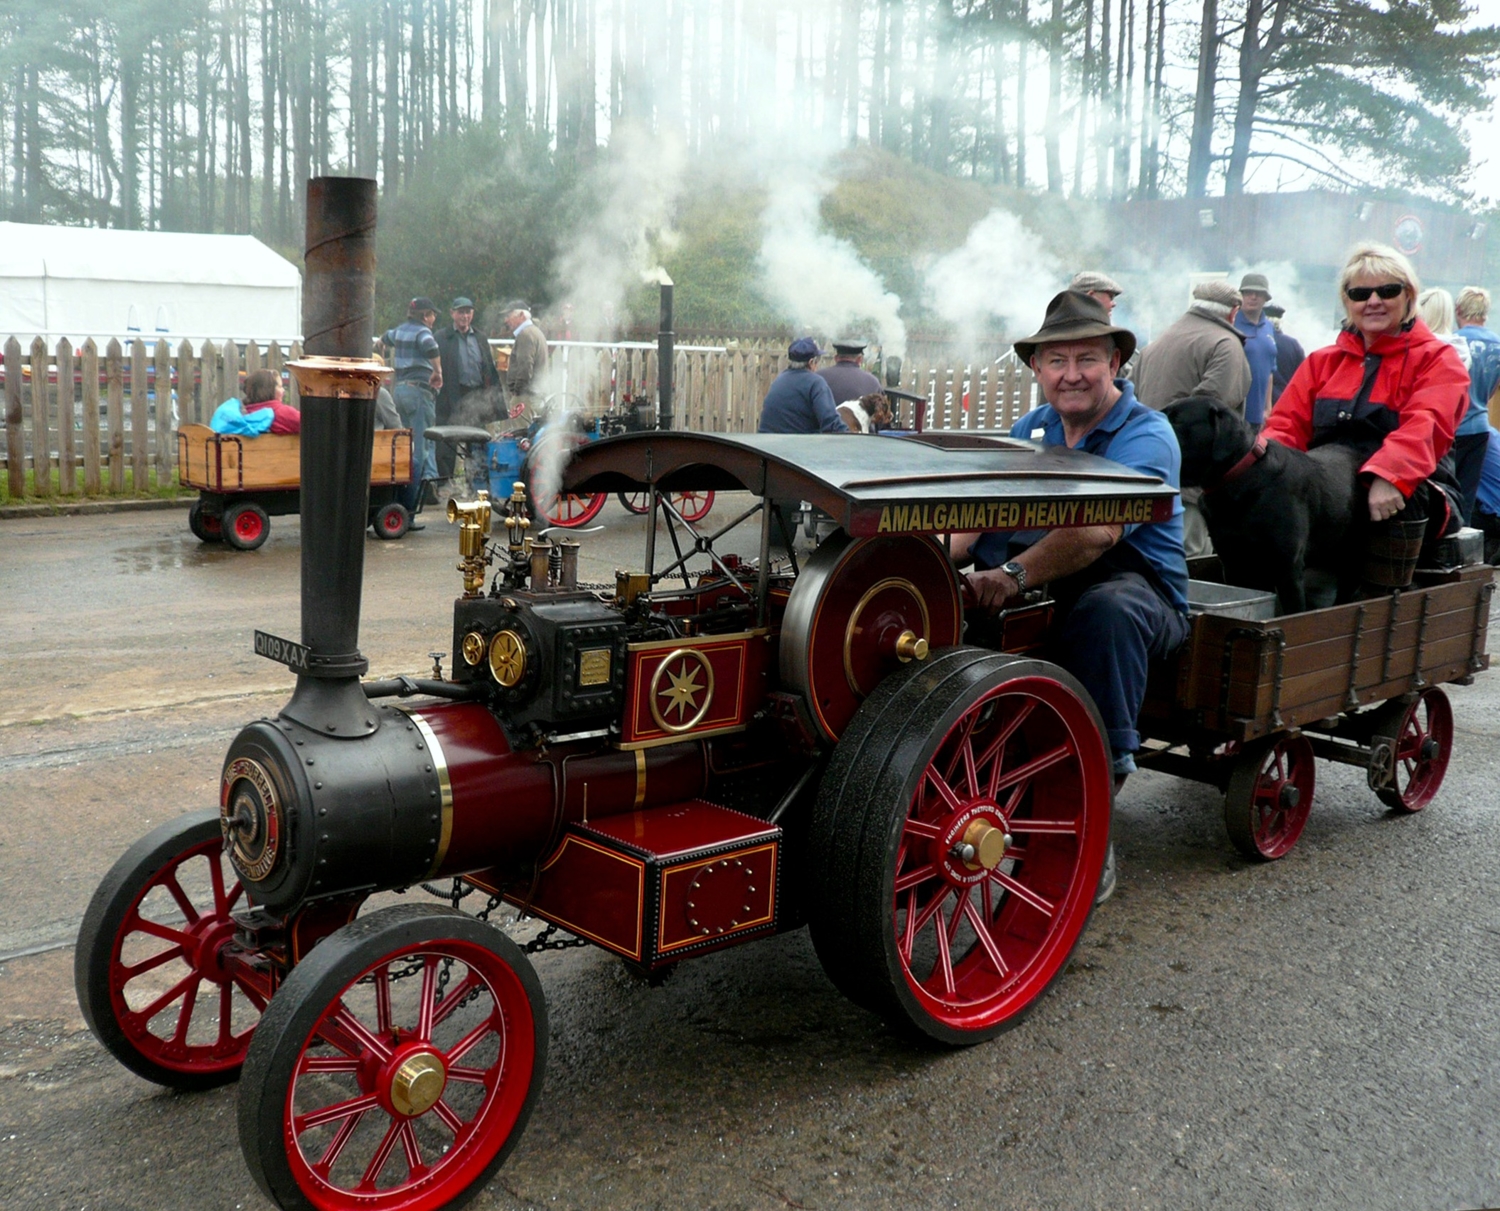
[1392,390]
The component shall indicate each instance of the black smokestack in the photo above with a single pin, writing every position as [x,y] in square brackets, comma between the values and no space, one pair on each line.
[666,354]
[338,421]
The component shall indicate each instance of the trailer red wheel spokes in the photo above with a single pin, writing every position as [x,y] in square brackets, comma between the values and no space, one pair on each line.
[988,871]
[412,1081]
[694,506]
[1269,797]
[1420,748]
[569,510]
[179,1003]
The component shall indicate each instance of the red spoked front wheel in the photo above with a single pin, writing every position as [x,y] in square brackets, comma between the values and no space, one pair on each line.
[1416,740]
[396,1067]
[1269,796]
[962,827]
[693,506]
[154,968]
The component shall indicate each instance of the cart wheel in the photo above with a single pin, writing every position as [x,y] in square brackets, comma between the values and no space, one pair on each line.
[634,502]
[1270,793]
[1418,737]
[960,832]
[694,506]
[392,521]
[147,967]
[246,525]
[205,527]
[396,1066]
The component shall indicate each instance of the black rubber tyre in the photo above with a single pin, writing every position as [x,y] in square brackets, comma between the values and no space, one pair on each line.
[391,521]
[1269,795]
[348,1021]
[246,526]
[205,528]
[880,836]
[102,975]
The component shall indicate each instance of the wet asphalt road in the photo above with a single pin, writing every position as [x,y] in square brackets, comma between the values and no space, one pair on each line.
[1319,1032]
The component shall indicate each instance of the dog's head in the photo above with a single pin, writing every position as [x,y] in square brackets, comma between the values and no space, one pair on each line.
[1211,436]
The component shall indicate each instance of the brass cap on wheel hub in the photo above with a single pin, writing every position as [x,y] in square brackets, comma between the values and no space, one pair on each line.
[418,1083]
[910,646]
[983,845]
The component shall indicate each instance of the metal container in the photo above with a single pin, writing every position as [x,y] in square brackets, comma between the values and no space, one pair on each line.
[1206,597]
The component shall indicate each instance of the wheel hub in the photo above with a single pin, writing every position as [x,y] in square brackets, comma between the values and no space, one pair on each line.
[1289,797]
[972,844]
[1430,749]
[211,935]
[416,1083]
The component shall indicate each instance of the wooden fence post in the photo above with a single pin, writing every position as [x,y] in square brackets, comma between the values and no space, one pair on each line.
[187,390]
[67,456]
[41,430]
[166,431]
[140,420]
[15,435]
[229,380]
[209,396]
[90,363]
[292,397]
[114,363]
[252,357]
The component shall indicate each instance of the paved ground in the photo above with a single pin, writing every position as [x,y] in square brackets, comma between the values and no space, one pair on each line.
[1319,1032]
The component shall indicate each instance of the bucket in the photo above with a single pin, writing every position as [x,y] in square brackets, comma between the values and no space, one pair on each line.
[1391,550]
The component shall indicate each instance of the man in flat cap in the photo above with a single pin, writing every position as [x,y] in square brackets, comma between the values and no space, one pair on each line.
[1260,344]
[528,361]
[1203,353]
[1100,287]
[468,369]
[1121,591]
[419,376]
[847,377]
[799,401]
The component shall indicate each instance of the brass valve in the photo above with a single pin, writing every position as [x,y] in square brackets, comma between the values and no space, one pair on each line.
[516,521]
[473,518]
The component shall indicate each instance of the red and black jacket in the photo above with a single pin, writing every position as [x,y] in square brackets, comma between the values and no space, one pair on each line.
[1401,399]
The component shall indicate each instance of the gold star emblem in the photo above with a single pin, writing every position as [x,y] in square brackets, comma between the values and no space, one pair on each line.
[681,690]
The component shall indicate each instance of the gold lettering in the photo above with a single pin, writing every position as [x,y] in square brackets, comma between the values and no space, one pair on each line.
[940,517]
[885,520]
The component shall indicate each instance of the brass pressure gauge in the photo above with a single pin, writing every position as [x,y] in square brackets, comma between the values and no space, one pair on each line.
[473,647]
[507,658]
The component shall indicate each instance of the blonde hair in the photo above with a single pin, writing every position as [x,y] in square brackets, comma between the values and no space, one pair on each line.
[1435,306]
[1473,304]
[1379,261]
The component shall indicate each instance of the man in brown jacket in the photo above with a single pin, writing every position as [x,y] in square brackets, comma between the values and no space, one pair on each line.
[1201,354]
[528,362]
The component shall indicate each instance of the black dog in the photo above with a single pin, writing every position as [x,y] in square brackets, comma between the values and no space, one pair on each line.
[1272,512]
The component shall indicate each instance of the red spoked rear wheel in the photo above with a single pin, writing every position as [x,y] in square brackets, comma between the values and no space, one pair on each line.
[962,826]
[694,506]
[1269,796]
[569,510]
[1419,738]
[154,967]
[396,1067]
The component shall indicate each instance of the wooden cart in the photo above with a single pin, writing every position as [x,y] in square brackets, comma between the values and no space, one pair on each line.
[244,481]
[1248,705]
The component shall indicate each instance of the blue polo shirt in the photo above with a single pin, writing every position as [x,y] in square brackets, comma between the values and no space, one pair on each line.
[1489,477]
[1260,352]
[1133,436]
[799,401]
[1484,374]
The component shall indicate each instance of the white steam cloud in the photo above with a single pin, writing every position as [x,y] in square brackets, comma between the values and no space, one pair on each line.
[1001,275]
[815,277]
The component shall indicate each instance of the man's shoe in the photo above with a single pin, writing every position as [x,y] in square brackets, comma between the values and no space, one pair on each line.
[1107,878]
[416,525]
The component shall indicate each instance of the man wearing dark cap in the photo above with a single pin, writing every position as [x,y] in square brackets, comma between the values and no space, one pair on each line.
[1289,352]
[467,368]
[1121,591]
[1260,344]
[846,377]
[419,374]
[799,401]
[528,361]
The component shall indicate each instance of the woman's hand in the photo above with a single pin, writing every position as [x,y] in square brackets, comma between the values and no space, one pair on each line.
[1385,500]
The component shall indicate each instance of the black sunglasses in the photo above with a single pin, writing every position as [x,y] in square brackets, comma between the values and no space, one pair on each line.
[1361,294]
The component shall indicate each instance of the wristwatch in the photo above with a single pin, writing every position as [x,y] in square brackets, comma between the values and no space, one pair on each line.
[1017,573]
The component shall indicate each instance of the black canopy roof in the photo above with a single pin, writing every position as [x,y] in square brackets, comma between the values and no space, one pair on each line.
[870,485]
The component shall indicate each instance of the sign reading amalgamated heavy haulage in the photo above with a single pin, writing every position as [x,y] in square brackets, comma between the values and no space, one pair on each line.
[927,517]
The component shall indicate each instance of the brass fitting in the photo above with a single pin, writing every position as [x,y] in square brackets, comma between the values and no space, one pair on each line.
[473,518]
[516,521]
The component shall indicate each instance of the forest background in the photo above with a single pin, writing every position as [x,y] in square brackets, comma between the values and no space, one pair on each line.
[940,163]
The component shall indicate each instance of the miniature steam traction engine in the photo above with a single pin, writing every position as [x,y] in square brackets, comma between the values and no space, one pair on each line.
[713,749]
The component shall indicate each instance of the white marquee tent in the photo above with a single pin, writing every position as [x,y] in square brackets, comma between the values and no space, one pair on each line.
[79,282]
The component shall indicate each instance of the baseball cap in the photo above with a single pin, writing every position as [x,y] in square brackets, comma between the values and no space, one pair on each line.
[803,349]
[461,304]
[421,303]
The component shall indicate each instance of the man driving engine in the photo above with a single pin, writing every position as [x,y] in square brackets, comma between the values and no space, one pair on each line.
[1121,590]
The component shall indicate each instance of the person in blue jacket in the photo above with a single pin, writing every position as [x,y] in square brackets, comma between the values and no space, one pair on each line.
[799,401]
[1260,344]
[1471,440]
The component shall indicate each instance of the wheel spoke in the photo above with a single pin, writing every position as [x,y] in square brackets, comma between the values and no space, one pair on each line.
[455,998]
[328,1063]
[1053,828]
[982,932]
[166,956]
[334,1112]
[216,876]
[382,1154]
[469,1042]
[252,993]
[449,1116]
[178,989]
[426,1005]
[383,1000]
[336,1145]
[944,963]
[410,1147]
[923,829]
[346,1032]
[185,1014]
[157,930]
[169,881]
[1040,903]
[226,1015]
[994,750]
[913,878]
[1035,766]
[945,792]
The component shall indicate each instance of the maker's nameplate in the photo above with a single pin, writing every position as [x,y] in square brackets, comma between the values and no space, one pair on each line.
[593,667]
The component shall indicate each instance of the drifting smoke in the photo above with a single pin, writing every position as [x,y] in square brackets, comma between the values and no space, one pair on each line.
[612,251]
[1002,274]
[815,277]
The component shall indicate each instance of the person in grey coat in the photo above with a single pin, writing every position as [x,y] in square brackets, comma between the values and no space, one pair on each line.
[528,361]
[1201,354]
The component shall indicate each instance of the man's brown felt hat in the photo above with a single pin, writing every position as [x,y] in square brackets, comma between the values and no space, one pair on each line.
[1074,316]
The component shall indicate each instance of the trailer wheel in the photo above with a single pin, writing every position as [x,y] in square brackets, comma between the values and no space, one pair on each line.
[246,526]
[148,966]
[694,506]
[396,1067]
[1269,796]
[958,840]
[1418,737]
[205,527]
[392,521]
